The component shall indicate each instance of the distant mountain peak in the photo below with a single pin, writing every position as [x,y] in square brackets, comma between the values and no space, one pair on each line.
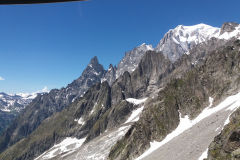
[111,67]
[110,75]
[94,60]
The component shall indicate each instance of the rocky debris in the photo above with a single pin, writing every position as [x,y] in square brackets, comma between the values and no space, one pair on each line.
[226,145]
[195,140]
[99,147]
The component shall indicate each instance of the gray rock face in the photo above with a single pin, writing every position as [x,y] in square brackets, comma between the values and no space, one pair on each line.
[128,64]
[131,59]
[110,76]
[93,74]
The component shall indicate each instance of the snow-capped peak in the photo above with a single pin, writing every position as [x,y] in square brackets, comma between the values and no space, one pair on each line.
[180,40]
[186,36]
[196,33]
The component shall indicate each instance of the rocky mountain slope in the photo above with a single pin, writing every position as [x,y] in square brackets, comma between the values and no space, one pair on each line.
[140,106]
[47,104]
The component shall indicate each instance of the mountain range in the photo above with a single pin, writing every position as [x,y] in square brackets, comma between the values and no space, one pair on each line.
[123,112]
[12,104]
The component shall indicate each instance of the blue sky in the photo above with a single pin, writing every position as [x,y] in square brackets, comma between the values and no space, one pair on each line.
[50,44]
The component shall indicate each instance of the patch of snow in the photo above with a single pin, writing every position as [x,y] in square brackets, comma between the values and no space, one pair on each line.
[136,101]
[217,129]
[149,47]
[11,102]
[96,73]
[75,98]
[103,80]
[194,63]
[230,103]
[80,121]
[67,145]
[204,155]
[93,109]
[227,121]
[5,110]
[135,115]
[146,47]
[175,40]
